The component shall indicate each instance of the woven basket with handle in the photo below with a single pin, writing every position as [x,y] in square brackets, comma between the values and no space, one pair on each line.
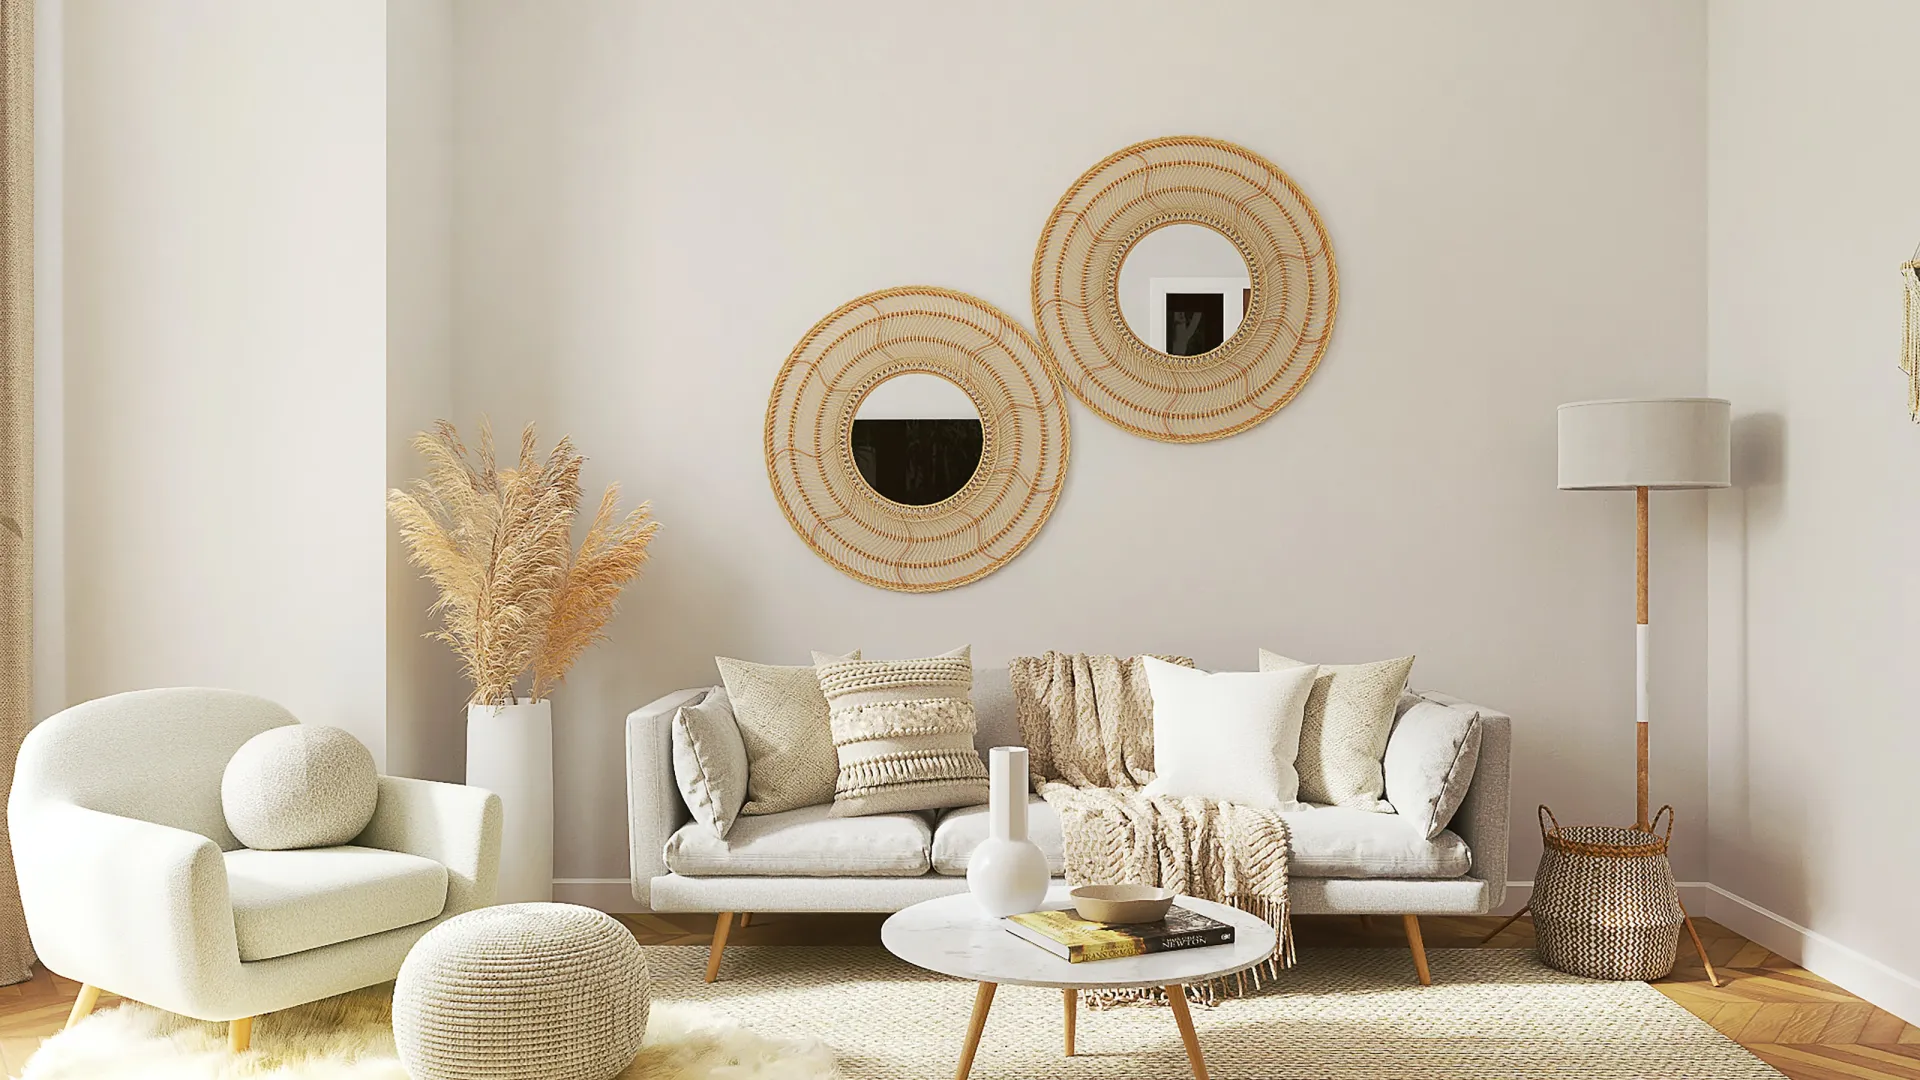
[1604,902]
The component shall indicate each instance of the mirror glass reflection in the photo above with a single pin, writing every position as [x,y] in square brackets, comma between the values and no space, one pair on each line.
[917,439]
[1184,289]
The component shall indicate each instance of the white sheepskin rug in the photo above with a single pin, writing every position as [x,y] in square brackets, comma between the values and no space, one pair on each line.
[351,1038]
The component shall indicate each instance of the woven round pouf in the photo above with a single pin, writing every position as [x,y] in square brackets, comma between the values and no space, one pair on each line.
[522,992]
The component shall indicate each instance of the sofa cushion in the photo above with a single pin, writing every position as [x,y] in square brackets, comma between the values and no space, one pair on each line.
[1328,841]
[1343,842]
[807,842]
[290,901]
[962,830]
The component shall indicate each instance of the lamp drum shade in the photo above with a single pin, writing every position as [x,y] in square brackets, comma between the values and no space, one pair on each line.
[1659,443]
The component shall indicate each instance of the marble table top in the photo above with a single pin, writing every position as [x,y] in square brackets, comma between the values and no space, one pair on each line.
[952,936]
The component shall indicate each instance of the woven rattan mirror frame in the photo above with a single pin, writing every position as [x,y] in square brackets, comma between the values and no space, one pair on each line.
[810,461]
[1289,319]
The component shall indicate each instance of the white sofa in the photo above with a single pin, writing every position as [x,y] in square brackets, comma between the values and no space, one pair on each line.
[1344,861]
[133,883]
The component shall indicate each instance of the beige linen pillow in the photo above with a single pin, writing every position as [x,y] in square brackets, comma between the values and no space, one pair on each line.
[903,730]
[710,761]
[1229,736]
[1343,737]
[783,724]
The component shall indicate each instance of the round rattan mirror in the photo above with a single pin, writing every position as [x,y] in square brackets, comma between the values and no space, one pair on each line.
[915,439]
[1148,237]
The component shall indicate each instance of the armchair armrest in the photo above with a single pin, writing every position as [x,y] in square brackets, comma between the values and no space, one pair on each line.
[137,908]
[654,806]
[453,824]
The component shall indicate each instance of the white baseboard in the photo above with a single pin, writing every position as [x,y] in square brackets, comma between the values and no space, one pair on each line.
[1891,989]
[1520,893]
[1845,967]
[613,895]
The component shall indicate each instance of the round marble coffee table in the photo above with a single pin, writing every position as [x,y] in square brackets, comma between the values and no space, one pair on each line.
[951,936]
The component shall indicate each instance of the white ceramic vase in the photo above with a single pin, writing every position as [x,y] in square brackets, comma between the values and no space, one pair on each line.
[510,753]
[1007,874]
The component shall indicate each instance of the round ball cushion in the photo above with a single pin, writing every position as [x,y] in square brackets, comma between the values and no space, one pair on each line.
[527,991]
[299,786]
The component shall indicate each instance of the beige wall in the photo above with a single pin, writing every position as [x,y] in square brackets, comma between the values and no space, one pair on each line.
[225,356]
[426,735]
[654,202]
[1815,598]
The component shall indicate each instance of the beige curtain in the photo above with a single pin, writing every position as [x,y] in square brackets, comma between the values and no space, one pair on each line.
[16,443]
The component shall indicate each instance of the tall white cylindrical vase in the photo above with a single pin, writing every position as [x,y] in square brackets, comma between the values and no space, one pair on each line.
[510,753]
[1007,873]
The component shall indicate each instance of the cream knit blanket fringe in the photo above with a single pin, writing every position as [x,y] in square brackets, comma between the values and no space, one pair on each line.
[1088,722]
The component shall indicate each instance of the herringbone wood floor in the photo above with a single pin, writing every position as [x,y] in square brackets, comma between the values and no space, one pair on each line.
[1803,1025]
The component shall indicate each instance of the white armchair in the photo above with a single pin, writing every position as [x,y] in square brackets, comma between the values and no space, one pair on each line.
[133,883]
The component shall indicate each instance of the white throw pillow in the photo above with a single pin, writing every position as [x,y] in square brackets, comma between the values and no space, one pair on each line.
[1430,761]
[1229,736]
[710,761]
[299,786]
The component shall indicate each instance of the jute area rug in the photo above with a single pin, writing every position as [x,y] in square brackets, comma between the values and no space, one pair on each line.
[1342,1014]
[814,1013]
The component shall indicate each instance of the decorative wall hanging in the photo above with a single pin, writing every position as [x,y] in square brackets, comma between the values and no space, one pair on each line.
[1910,342]
[1184,289]
[915,439]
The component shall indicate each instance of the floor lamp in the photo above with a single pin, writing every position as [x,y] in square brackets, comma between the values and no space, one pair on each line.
[1643,444]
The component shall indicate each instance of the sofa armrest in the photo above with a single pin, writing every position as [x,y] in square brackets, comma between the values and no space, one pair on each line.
[654,806]
[1484,818]
[453,824]
[137,908]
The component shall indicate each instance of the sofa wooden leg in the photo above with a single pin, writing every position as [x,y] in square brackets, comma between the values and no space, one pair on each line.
[745,918]
[82,1005]
[721,927]
[240,1034]
[1419,949]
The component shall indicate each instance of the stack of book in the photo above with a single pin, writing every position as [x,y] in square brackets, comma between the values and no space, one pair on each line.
[1076,940]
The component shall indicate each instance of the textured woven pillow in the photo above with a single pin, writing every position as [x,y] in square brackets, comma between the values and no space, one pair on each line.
[299,786]
[710,761]
[1230,736]
[903,730]
[1343,736]
[783,724]
[1430,761]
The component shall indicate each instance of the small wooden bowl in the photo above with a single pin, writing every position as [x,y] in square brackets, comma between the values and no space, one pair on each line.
[1122,903]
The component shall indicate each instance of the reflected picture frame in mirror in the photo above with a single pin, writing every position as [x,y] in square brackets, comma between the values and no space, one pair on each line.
[1183,290]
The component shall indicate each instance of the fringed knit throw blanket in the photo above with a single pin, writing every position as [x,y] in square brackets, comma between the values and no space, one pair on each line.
[1088,723]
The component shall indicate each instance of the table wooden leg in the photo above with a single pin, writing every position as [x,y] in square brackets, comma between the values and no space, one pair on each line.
[1177,999]
[982,1001]
[1073,1003]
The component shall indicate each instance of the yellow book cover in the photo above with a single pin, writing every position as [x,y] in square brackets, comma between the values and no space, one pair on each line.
[1077,940]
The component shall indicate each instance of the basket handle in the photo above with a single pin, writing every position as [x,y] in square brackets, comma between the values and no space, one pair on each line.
[1654,825]
[1546,815]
